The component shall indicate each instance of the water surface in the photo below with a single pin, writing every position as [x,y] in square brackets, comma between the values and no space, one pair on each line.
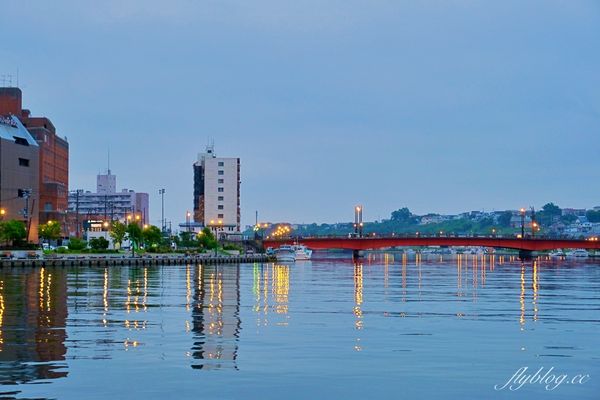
[388,327]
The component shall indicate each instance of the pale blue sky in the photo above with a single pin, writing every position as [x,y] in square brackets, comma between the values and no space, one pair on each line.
[439,106]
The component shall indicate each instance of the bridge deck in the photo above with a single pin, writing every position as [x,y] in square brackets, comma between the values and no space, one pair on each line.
[383,242]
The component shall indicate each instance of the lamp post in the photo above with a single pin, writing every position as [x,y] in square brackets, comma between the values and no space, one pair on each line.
[2,214]
[534,224]
[162,205]
[187,220]
[522,223]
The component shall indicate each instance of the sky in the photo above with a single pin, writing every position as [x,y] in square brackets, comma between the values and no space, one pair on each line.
[438,106]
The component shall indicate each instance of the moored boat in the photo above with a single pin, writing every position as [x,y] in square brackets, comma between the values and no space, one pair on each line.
[578,253]
[558,253]
[285,253]
[302,252]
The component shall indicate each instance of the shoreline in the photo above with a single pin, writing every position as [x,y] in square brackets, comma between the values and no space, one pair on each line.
[120,260]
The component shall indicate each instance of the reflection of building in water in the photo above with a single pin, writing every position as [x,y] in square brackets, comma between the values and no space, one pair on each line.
[271,289]
[33,313]
[216,316]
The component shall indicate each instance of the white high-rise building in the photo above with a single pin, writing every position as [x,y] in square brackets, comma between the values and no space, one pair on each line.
[106,183]
[217,192]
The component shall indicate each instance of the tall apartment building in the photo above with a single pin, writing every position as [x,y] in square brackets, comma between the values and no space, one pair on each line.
[53,163]
[107,204]
[19,159]
[217,192]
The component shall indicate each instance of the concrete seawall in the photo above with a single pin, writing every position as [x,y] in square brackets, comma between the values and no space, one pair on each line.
[103,261]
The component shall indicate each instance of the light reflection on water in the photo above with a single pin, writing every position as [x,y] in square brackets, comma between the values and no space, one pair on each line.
[463,322]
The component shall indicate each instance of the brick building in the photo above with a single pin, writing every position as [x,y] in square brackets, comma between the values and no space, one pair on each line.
[53,156]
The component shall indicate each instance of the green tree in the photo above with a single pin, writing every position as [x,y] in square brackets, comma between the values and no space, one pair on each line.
[134,232]
[504,219]
[552,210]
[187,239]
[49,231]
[13,231]
[152,235]
[77,244]
[99,243]
[593,216]
[206,239]
[402,215]
[117,232]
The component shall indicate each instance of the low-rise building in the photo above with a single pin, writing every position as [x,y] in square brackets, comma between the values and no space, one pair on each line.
[19,172]
[107,204]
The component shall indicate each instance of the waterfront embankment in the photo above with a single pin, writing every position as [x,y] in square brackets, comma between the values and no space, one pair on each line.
[121,260]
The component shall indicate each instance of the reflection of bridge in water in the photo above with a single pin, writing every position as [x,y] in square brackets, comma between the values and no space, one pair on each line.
[525,246]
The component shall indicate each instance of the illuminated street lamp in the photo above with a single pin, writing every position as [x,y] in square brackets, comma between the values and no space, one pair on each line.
[2,213]
[187,220]
[522,211]
[534,227]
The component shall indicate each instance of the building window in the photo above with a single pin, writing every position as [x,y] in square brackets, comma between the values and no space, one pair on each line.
[221,198]
[23,162]
[220,216]
[221,180]
[21,141]
[220,207]
[221,172]
[221,163]
[220,190]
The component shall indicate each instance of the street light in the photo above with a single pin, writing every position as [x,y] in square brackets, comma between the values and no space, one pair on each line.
[162,201]
[522,222]
[187,220]
[2,213]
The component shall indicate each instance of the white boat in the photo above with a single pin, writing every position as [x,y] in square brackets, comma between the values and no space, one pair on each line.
[409,252]
[302,252]
[557,253]
[578,253]
[285,253]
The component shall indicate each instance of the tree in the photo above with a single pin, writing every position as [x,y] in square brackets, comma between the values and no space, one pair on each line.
[13,231]
[552,210]
[187,239]
[152,235]
[49,231]
[77,244]
[135,235]
[504,218]
[593,216]
[99,243]
[207,239]
[117,232]
[402,215]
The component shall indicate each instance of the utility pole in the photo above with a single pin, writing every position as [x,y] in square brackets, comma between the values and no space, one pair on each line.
[162,218]
[77,213]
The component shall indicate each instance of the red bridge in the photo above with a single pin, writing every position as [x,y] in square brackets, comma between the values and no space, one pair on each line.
[369,243]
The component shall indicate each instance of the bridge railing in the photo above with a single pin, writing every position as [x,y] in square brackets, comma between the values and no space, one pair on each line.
[449,235]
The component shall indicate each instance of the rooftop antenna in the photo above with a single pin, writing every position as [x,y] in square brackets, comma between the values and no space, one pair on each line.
[17,76]
[108,157]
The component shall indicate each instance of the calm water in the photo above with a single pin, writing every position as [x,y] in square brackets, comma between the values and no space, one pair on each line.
[390,327]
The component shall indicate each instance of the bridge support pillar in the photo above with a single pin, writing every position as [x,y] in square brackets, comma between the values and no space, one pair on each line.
[357,254]
[525,254]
